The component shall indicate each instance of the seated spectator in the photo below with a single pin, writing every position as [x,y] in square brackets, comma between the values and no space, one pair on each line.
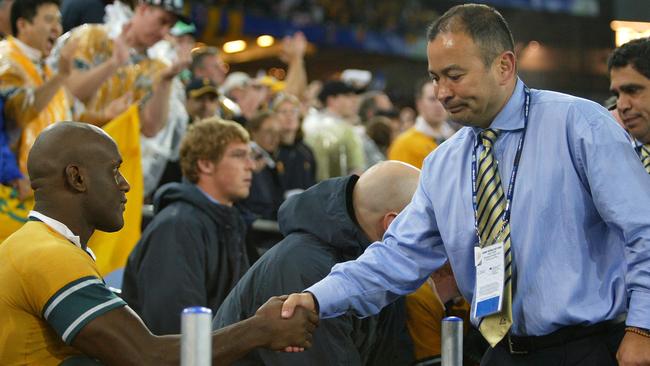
[296,157]
[430,130]
[332,222]
[193,252]
[337,148]
[54,305]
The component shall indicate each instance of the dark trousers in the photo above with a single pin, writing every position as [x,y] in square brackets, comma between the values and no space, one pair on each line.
[594,350]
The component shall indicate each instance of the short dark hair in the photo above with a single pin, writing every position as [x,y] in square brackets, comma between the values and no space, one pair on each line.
[635,53]
[482,23]
[26,9]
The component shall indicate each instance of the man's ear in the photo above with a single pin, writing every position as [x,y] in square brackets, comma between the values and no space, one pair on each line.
[74,178]
[205,166]
[506,66]
[388,218]
[21,23]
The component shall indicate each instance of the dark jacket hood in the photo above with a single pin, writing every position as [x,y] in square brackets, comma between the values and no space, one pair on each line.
[322,211]
[189,193]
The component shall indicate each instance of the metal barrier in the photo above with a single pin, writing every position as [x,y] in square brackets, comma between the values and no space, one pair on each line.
[452,341]
[196,336]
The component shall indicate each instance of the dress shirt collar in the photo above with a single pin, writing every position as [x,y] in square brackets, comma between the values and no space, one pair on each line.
[511,117]
[32,53]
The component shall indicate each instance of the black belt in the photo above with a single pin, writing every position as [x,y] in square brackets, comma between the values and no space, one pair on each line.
[516,345]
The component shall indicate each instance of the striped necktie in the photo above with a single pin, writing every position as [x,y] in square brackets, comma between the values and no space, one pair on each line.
[491,203]
[645,157]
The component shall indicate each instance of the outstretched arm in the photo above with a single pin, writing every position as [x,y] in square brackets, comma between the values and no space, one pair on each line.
[119,337]
[293,54]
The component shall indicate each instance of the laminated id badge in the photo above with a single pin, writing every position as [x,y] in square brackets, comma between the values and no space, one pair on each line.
[489,262]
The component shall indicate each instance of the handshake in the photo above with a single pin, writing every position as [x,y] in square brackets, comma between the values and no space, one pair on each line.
[288,322]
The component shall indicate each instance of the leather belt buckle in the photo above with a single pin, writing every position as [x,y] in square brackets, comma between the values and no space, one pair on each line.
[512,347]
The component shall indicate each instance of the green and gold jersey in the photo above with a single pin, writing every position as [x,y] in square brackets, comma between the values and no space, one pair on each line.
[51,289]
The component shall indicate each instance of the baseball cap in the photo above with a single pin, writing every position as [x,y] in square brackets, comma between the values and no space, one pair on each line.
[173,6]
[199,87]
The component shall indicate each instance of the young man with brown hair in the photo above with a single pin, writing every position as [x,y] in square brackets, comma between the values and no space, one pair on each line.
[193,251]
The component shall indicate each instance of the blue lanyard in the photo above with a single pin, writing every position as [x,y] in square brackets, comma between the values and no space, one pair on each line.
[513,175]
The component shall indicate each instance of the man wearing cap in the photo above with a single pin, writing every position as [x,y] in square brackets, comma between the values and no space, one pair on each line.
[202,99]
[337,148]
[113,70]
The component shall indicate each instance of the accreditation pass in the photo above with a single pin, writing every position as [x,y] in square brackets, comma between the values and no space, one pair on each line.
[489,262]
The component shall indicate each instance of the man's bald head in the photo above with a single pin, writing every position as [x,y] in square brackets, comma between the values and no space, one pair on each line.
[61,144]
[381,193]
[74,169]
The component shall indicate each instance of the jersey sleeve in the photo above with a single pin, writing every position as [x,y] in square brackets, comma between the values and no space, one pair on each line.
[66,290]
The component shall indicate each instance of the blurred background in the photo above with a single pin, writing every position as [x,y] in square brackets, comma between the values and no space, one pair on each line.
[561,44]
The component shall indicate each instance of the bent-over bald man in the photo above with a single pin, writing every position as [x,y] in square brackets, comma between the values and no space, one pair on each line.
[332,222]
[54,304]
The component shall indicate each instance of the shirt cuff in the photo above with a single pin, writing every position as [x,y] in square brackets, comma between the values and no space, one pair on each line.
[328,295]
[638,310]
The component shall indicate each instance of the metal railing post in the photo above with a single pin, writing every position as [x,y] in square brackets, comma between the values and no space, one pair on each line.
[196,336]
[452,341]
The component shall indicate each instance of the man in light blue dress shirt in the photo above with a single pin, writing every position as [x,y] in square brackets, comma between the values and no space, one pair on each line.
[580,222]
